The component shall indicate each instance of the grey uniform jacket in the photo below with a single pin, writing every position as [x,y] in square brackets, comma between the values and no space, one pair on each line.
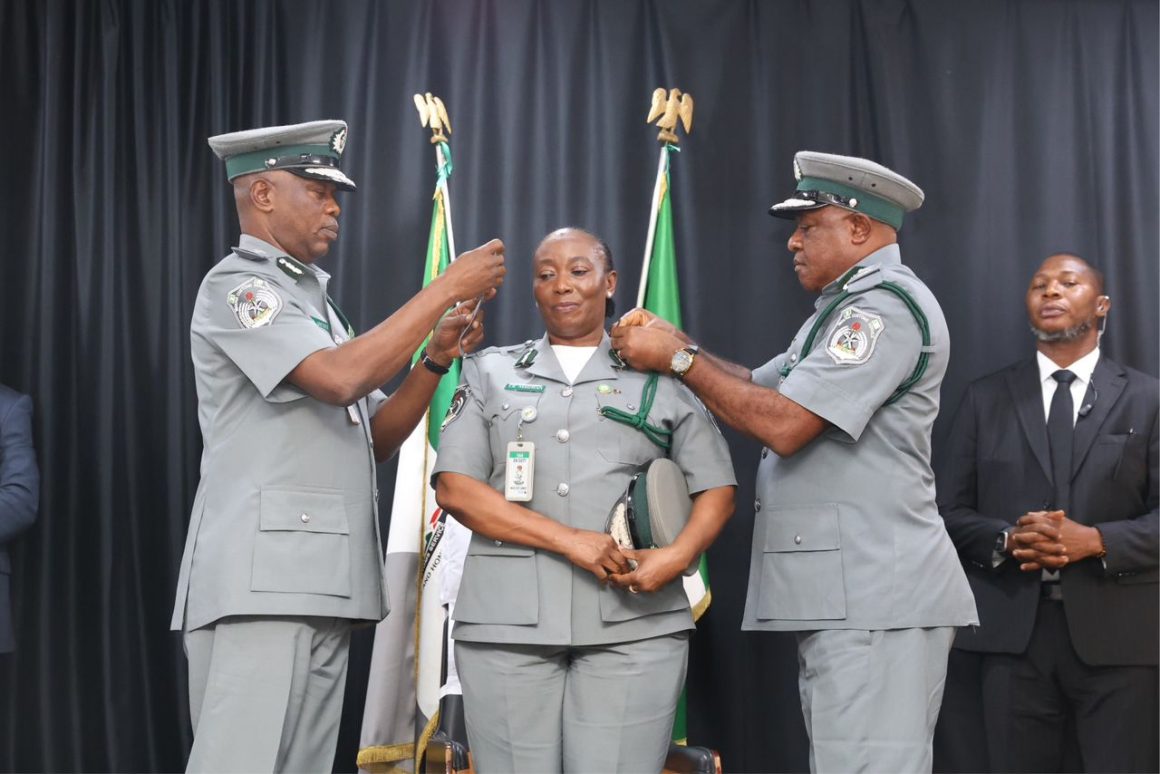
[513,594]
[285,517]
[847,534]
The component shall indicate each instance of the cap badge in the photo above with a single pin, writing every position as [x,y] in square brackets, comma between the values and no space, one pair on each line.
[338,141]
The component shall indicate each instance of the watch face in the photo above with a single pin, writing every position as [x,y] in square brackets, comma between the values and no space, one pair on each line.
[681,362]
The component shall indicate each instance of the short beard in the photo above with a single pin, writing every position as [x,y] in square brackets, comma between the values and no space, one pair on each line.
[1067,334]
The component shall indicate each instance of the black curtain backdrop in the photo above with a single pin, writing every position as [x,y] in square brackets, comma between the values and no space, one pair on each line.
[1032,126]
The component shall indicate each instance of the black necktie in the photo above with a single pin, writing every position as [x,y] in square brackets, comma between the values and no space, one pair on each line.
[1060,424]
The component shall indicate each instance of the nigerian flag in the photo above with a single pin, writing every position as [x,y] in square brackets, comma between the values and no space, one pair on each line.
[662,296]
[424,553]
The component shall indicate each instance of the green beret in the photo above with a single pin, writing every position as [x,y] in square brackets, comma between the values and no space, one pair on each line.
[311,150]
[852,183]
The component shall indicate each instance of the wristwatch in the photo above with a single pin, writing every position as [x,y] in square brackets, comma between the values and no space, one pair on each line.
[1001,542]
[683,360]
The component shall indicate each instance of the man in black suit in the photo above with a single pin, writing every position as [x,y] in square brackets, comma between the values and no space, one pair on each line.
[1049,492]
[19,492]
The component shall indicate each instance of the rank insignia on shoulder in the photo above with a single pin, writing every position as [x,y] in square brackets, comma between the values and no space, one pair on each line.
[255,303]
[458,400]
[852,338]
[290,267]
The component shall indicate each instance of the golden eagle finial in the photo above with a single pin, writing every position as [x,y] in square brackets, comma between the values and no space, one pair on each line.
[677,105]
[433,114]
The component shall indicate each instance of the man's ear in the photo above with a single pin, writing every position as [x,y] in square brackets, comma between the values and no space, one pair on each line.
[860,227]
[262,194]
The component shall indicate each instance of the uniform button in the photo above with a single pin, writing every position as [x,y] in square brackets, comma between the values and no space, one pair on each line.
[337,340]
[757,505]
[506,406]
[797,539]
[630,407]
[563,435]
[764,453]
[499,542]
[566,392]
[305,518]
[562,489]
[793,358]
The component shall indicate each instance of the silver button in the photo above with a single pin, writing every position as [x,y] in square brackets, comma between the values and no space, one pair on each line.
[499,542]
[757,505]
[793,358]
[797,539]
[566,392]
[563,435]
[305,518]
[630,407]
[506,406]
[562,489]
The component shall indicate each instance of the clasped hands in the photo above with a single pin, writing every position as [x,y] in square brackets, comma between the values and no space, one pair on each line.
[1048,540]
[646,342]
[598,553]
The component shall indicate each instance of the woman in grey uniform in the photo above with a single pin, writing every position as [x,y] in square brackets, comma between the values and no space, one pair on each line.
[571,658]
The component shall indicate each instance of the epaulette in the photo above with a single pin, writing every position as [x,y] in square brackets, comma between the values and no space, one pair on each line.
[508,349]
[249,255]
[866,278]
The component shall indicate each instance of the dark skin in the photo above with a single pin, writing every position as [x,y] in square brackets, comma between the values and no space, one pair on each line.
[825,244]
[571,281]
[300,216]
[1065,294]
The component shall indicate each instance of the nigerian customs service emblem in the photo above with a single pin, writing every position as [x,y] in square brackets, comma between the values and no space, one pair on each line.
[255,303]
[851,341]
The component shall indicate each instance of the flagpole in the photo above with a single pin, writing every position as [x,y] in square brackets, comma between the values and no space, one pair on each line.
[652,228]
[442,160]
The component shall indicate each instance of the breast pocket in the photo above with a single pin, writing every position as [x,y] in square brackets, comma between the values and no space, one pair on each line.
[500,585]
[624,445]
[801,566]
[303,542]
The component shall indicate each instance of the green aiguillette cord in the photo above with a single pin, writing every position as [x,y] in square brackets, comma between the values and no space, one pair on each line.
[658,435]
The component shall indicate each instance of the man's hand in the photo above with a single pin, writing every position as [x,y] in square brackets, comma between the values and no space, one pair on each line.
[595,552]
[643,318]
[444,344]
[1037,541]
[655,568]
[477,272]
[646,348]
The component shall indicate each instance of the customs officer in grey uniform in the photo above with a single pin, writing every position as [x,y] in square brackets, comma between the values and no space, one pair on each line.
[283,551]
[848,547]
[570,659]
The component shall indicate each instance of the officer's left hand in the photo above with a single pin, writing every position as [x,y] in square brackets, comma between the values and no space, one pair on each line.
[444,344]
[645,349]
[655,569]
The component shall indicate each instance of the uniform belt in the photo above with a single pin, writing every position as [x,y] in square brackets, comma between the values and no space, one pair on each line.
[1052,591]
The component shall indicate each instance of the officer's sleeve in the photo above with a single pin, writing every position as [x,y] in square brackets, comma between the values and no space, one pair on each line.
[768,374]
[869,346]
[465,440]
[698,446]
[375,401]
[265,348]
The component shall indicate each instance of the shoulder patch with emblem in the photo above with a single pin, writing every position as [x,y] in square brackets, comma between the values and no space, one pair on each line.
[852,337]
[255,303]
[458,401]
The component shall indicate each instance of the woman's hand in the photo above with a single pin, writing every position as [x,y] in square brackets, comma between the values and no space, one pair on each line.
[655,568]
[596,552]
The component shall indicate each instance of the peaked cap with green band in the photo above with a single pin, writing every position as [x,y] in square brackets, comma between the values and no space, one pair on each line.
[852,183]
[311,150]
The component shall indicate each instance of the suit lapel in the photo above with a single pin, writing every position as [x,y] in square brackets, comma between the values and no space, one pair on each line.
[1106,386]
[1027,395]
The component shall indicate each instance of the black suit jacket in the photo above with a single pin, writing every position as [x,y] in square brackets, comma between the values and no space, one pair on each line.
[997,467]
[19,491]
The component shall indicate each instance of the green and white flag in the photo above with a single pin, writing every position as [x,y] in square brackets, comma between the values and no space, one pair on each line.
[660,294]
[424,557]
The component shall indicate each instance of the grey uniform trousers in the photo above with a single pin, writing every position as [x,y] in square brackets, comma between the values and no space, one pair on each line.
[871,698]
[549,708]
[265,693]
